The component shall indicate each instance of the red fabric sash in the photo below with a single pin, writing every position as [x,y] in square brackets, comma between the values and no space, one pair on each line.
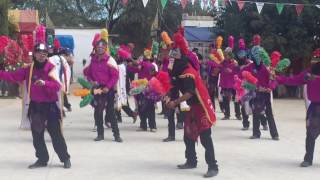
[202,93]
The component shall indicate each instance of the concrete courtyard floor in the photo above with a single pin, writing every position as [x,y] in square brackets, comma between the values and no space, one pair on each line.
[143,155]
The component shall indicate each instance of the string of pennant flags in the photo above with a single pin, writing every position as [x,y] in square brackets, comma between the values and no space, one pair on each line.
[241,3]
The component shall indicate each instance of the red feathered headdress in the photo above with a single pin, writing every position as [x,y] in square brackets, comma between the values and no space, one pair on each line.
[256,40]
[180,42]
[124,54]
[56,44]
[231,42]
[40,34]
[275,58]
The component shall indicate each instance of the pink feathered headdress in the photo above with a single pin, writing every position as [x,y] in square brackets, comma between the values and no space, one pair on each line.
[231,42]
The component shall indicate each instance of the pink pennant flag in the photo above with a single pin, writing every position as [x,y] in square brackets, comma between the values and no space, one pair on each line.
[299,8]
[184,3]
[240,4]
[125,2]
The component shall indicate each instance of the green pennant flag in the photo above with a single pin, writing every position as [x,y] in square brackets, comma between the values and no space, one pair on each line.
[280,7]
[220,3]
[164,3]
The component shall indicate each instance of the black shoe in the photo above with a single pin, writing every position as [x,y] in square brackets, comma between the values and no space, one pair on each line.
[265,128]
[67,164]
[239,117]
[141,130]
[37,164]
[118,139]
[254,137]
[211,173]
[135,117]
[226,118]
[69,109]
[187,166]
[276,138]
[168,139]
[305,164]
[179,126]
[99,138]
[161,113]
[245,128]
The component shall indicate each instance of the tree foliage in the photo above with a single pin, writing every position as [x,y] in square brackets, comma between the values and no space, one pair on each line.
[295,36]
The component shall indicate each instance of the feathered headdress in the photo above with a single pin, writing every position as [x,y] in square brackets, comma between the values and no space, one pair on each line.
[105,35]
[124,54]
[147,53]
[242,44]
[166,38]
[257,40]
[57,44]
[242,53]
[4,40]
[40,34]
[231,42]
[96,38]
[181,43]
[219,42]
[216,57]
[275,58]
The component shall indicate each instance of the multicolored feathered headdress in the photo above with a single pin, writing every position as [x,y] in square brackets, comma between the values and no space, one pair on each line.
[103,36]
[147,53]
[215,56]
[260,55]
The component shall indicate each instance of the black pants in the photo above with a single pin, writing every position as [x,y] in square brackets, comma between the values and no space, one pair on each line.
[105,102]
[229,94]
[66,101]
[258,118]
[245,118]
[58,141]
[126,108]
[310,143]
[171,123]
[147,112]
[206,141]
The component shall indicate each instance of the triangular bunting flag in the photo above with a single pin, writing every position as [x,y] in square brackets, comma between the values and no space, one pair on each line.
[145,2]
[299,8]
[240,4]
[124,2]
[280,7]
[184,3]
[318,6]
[259,6]
[164,3]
